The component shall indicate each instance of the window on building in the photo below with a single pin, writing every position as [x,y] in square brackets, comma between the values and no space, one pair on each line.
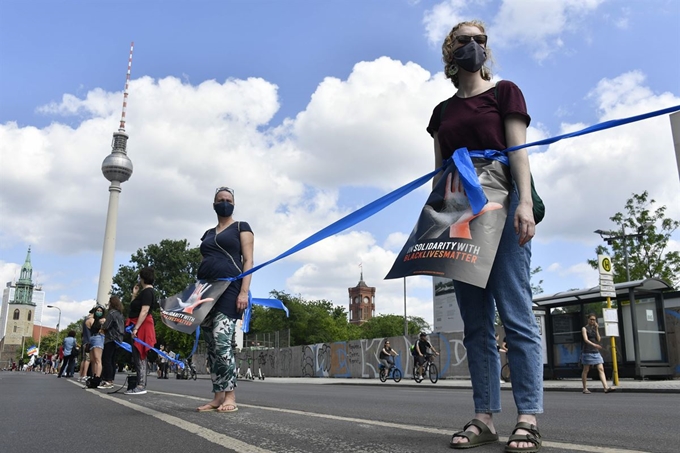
[29,314]
[15,329]
[16,315]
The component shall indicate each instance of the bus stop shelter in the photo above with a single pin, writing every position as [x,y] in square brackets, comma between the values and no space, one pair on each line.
[642,347]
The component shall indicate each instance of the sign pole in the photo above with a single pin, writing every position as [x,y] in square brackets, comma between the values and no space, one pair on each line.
[615,366]
[611,320]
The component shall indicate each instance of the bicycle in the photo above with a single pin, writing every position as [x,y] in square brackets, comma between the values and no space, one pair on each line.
[394,373]
[505,373]
[429,369]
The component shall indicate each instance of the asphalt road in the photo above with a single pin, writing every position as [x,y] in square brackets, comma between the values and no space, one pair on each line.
[330,418]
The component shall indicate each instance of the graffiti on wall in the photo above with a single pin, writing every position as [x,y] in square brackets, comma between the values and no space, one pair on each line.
[360,358]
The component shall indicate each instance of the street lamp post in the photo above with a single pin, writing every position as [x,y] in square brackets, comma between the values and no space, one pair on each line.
[405,318]
[58,322]
[610,237]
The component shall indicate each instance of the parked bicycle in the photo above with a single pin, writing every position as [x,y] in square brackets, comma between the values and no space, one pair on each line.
[393,372]
[427,369]
[188,372]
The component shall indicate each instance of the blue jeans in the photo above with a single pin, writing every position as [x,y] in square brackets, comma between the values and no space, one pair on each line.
[509,290]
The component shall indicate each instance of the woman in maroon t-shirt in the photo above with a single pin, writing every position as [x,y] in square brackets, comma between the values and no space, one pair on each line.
[485,116]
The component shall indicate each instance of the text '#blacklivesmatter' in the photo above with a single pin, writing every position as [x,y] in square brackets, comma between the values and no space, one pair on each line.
[462,251]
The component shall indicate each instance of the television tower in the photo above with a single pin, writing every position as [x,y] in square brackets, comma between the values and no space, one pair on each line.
[117,168]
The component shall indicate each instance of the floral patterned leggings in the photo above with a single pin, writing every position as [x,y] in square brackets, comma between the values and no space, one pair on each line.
[218,331]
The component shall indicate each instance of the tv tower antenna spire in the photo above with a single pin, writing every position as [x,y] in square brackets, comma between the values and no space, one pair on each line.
[125,92]
[117,168]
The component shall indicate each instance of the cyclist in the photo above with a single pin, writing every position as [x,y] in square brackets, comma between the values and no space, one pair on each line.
[421,351]
[386,354]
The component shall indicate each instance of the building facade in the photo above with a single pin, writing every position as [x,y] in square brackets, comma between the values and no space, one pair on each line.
[20,302]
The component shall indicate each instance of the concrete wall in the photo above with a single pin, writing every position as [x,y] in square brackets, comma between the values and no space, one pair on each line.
[354,359]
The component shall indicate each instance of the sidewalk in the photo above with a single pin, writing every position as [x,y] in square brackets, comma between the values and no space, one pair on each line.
[566,385]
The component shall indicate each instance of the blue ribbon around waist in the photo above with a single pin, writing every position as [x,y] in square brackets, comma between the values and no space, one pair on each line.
[462,157]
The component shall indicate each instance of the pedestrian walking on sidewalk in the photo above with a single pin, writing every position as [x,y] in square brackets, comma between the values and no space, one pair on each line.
[590,354]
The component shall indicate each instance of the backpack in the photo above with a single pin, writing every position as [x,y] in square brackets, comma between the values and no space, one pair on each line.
[413,349]
[539,207]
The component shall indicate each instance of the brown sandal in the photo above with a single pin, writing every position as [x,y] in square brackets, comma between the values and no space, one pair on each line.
[474,440]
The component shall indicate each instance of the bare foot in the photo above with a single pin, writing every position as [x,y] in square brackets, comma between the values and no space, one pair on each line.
[531,419]
[487,419]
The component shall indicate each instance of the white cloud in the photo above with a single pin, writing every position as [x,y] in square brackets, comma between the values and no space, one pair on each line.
[71,311]
[9,272]
[441,18]
[538,25]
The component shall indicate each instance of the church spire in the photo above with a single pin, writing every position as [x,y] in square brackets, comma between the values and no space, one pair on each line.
[27,269]
[24,287]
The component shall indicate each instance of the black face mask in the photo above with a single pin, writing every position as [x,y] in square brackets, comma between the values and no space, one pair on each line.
[470,57]
[223,209]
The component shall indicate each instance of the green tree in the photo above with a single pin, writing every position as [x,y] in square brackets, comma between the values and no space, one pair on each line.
[175,265]
[648,256]
[383,326]
[310,322]
[536,288]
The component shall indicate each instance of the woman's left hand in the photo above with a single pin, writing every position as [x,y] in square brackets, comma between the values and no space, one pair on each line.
[525,226]
[242,302]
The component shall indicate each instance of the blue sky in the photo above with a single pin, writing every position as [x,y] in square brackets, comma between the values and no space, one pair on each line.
[310,110]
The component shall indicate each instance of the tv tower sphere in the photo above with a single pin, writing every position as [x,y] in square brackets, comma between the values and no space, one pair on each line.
[117,166]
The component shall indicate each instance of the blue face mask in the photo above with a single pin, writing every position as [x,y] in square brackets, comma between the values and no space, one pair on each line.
[98,314]
[224,209]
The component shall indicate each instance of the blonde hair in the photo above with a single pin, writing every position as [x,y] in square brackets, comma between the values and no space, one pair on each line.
[450,67]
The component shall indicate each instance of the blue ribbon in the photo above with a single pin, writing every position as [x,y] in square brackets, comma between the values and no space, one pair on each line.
[468,175]
[350,219]
[160,353]
[597,127]
[270,303]
[386,200]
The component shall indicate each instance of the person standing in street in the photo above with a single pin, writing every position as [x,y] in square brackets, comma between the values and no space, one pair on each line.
[114,327]
[483,116]
[143,298]
[227,251]
[69,347]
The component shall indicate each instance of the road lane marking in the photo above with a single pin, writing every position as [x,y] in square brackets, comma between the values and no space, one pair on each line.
[220,439]
[247,448]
